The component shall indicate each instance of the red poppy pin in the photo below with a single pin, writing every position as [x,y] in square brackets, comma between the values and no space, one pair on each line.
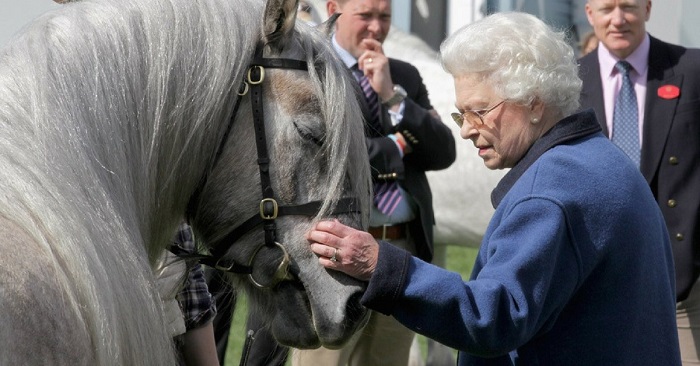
[669,91]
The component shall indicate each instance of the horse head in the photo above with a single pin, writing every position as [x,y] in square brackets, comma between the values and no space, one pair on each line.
[294,153]
[115,116]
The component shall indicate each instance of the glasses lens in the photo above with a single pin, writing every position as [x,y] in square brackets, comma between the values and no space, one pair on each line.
[473,118]
[458,119]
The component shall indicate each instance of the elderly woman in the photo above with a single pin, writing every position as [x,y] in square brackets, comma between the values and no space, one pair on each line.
[575,267]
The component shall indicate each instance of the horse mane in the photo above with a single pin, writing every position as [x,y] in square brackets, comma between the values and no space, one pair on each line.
[111,112]
[108,111]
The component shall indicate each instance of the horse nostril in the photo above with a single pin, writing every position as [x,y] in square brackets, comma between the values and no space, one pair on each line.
[355,311]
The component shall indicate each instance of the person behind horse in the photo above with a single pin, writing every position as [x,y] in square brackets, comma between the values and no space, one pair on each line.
[405,138]
[197,307]
[187,303]
[576,266]
[665,128]
[588,43]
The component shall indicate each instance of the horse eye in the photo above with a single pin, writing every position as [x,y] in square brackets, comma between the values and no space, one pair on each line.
[307,134]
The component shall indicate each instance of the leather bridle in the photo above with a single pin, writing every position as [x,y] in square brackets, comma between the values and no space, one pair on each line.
[269,207]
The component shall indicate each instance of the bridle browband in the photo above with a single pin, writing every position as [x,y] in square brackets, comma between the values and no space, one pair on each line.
[269,208]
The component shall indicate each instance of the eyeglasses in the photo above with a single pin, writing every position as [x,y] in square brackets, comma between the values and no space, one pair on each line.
[473,117]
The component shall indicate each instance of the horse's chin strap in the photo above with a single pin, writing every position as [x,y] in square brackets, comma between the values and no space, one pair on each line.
[269,208]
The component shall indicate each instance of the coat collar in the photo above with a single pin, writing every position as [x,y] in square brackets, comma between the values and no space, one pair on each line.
[570,128]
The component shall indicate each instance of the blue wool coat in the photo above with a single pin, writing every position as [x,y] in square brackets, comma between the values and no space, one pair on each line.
[575,267]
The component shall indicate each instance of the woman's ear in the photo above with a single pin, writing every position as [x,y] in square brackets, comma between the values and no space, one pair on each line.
[536,111]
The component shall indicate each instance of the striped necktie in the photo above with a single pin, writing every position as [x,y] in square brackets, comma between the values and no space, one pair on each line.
[625,116]
[371,98]
[386,194]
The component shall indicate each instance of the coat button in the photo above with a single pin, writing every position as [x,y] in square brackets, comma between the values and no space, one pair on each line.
[679,237]
[671,203]
[673,160]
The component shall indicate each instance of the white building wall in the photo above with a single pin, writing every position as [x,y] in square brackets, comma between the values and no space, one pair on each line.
[462,12]
[676,21]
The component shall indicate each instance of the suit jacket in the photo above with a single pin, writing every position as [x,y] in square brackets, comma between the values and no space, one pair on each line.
[432,144]
[670,158]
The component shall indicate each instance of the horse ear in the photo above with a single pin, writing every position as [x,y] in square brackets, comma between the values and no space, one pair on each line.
[328,26]
[278,22]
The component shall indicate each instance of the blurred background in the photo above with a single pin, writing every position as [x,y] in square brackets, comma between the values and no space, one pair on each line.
[431,20]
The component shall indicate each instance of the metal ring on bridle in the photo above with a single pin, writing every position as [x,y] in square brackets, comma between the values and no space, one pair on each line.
[222,268]
[245,88]
[281,273]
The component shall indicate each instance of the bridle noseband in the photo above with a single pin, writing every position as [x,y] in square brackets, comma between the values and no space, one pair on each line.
[269,209]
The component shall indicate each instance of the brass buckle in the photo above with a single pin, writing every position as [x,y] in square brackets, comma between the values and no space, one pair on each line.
[275,209]
[262,75]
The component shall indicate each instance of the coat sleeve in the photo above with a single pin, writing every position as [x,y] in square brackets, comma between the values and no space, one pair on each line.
[525,273]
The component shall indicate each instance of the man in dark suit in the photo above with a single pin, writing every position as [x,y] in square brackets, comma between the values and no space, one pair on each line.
[666,80]
[405,138]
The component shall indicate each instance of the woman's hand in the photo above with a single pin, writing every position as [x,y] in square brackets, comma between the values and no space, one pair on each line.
[344,249]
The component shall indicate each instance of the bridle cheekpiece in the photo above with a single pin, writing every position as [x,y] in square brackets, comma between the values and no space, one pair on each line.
[269,208]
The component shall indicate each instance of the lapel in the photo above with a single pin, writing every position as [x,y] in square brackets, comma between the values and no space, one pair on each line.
[385,120]
[592,90]
[658,112]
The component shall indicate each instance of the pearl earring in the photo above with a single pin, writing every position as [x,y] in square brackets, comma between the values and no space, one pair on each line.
[534,121]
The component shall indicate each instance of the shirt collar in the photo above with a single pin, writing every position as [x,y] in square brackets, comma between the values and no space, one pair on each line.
[638,59]
[344,55]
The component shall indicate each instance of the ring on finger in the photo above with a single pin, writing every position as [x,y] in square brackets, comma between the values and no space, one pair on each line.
[333,258]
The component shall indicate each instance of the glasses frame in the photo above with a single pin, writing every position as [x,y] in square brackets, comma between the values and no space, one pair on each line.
[459,118]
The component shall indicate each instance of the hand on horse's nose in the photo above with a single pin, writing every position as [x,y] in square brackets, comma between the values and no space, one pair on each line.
[343,248]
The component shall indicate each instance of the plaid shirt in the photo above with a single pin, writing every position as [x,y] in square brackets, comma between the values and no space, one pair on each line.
[197,304]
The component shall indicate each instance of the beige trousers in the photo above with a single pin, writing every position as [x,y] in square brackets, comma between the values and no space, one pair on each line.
[688,319]
[383,342]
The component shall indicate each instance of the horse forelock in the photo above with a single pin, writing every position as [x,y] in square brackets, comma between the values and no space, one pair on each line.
[344,141]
